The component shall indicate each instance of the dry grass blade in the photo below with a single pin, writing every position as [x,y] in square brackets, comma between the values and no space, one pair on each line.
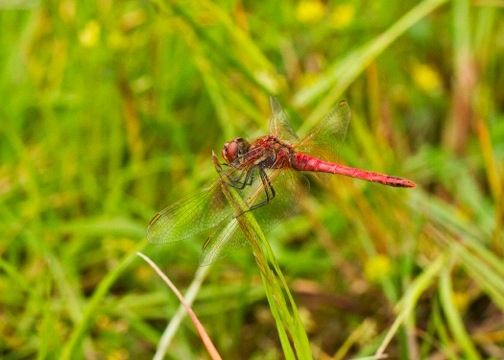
[212,351]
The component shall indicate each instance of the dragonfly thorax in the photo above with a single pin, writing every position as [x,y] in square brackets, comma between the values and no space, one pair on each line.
[266,152]
[269,152]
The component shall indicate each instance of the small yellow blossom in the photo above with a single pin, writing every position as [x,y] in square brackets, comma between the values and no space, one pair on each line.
[342,16]
[461,300]
[310,11]
[89,36]
[118,354]
[377,267]
[426,78]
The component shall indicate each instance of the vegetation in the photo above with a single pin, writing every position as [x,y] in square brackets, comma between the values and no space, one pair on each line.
[111,110]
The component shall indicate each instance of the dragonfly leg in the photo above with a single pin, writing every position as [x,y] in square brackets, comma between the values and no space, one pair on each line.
[268,190]
[245,179]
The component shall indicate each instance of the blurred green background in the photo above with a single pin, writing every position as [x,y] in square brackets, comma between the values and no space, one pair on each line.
[110,111]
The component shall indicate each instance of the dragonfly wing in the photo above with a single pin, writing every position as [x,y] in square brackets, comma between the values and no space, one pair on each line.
[289,187]
[279,123]
[229,236]
[326,138]
[225,240]
[190,216]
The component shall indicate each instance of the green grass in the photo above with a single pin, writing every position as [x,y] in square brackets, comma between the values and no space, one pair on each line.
[110,112]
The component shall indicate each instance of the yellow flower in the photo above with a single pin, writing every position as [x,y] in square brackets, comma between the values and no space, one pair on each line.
[461,300]
[310,11]
[89,36]
[426,78]
[342,16]
[377,267]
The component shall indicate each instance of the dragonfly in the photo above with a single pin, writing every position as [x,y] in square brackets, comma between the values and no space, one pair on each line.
[267,173]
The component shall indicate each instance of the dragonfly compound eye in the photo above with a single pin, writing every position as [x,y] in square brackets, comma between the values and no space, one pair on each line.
[230,151]
[234,151]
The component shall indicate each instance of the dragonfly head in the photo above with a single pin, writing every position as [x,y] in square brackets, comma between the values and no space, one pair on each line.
[234,151]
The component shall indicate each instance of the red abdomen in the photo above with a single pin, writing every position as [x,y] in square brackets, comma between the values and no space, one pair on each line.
[304,162]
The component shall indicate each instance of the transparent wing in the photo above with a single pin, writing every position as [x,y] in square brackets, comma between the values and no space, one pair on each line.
[224,241]
[189,216]
[279,123]
[228,237]
[326,138]
[209,208]
[289,187]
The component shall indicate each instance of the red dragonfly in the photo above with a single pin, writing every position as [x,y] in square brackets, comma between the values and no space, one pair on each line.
[268,170]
